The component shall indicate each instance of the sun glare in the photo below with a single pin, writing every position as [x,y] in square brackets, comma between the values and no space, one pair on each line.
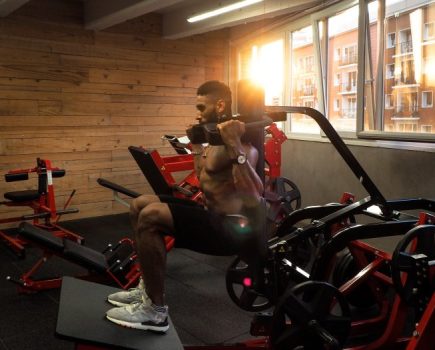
[266,70]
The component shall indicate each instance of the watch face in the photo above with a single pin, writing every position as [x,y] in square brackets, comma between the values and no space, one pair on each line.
[241,159]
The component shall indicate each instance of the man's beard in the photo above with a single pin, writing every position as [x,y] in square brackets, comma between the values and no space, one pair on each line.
[213,117]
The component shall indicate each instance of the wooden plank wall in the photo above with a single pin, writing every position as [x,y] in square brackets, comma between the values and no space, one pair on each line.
[80,98]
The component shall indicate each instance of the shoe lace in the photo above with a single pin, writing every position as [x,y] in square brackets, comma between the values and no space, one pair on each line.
[133,306]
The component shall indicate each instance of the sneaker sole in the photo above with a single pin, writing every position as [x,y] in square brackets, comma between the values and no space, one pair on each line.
[139,325]
[116,303]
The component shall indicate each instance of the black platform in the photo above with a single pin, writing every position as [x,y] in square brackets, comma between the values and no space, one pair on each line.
[81,318]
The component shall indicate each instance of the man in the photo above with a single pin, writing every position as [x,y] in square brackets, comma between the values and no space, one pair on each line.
[230,221]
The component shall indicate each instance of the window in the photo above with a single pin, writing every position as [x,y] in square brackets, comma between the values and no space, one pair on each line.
[337,68]
[389,101]
[390,71]
[426,99]
[336,105]
[391,40]
[303,83]
[426,128]
[409,79]
[429,31]
[264,65]
[406,127]
[405,41]
[342,36]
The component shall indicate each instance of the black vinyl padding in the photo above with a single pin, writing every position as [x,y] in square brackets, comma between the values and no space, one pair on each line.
[84,256]
[22,196]
[58,173]
[150,170]
[16,177]
[41,237]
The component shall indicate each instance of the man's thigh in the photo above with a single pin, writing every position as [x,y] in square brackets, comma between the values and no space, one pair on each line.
[203,231]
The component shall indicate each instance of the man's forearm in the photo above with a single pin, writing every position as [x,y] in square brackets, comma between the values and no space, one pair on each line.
[197,150]
[245,177]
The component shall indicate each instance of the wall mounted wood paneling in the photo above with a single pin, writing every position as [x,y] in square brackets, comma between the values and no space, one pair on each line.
[80,98]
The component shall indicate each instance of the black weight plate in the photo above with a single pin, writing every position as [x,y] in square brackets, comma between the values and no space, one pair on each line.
[247,298]
[311,315]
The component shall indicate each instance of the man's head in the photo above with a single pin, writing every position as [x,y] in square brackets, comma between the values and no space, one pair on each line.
[213,101]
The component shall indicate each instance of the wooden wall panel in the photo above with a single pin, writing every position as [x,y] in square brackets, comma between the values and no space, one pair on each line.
[80,98]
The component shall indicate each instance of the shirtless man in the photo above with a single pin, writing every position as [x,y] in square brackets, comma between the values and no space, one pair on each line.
[229,222]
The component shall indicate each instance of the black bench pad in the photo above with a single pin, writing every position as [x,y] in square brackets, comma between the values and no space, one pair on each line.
[81,318]
[84,256]
[22,196]
[41,237]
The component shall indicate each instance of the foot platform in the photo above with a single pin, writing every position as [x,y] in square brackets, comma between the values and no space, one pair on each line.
[81,319]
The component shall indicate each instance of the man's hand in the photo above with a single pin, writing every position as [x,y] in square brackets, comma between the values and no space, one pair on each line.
[231,131]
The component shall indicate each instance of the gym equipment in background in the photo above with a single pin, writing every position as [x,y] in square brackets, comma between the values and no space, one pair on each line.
[42,201]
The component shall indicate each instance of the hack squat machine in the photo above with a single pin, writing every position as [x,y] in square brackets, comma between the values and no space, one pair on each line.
[327,286]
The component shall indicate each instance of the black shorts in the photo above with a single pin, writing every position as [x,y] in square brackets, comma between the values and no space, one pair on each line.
[204,231]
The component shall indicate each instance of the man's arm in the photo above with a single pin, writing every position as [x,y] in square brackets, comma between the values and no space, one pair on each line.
[197,150]
[246,178]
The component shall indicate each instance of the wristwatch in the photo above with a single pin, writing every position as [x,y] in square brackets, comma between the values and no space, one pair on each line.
[240,159]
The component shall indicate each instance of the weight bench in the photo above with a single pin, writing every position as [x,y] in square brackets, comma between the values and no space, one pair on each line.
[117,263]
[81,319]
[41,201]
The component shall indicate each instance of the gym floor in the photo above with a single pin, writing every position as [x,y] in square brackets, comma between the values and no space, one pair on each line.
[199,305]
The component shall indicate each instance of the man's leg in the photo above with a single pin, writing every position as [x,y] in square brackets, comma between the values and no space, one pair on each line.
[136,294]
[136,207]
[153,222]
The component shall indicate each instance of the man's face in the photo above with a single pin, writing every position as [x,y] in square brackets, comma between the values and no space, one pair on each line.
[206,109]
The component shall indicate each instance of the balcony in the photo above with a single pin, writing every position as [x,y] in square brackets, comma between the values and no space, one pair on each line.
[405,47]
[348,59]
[349,113]
[405,80]
[348,88]
[307,90]
[406,111]
[308,68]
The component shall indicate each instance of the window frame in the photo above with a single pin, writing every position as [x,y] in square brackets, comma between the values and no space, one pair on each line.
[426,105]
[364,66]
[379,114]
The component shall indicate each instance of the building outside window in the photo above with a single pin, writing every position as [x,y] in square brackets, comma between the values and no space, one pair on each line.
[429,31]
[302,80]
[389,71]
[342,38]
[426,99]
[391,40]
[389,101]
[414,76]
[323,67]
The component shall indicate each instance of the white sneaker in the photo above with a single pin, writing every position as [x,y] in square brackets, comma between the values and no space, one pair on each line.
[132,295]
[140,315]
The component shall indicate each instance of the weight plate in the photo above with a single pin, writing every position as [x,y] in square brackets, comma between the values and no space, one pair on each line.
[311,315]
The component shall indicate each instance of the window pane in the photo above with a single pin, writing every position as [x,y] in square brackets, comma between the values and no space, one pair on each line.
[371,69]
[267,69]
[303,80]
[413,59]
[342,69]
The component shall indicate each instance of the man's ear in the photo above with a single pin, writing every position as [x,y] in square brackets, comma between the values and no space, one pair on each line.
[220,106]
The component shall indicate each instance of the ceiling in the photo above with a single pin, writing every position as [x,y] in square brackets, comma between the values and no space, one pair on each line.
[102,14]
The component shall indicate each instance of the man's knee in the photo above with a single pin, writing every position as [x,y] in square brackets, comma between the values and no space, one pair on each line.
[154,216]
[141,202]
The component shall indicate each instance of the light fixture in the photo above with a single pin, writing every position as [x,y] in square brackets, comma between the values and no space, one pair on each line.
[222,10]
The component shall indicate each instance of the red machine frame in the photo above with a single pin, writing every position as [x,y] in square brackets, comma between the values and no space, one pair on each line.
[43,206]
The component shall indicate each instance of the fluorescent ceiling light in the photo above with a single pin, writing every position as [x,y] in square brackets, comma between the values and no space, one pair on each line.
[222,10]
